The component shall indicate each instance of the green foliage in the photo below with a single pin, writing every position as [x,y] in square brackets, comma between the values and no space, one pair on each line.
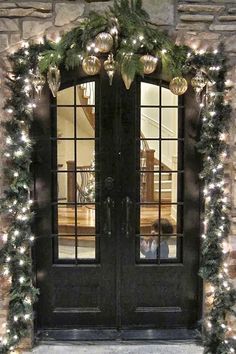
[15,253]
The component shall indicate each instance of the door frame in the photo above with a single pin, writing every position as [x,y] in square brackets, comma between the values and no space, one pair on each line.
[90,334]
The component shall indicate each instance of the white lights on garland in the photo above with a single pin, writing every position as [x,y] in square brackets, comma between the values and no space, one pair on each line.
[83,47]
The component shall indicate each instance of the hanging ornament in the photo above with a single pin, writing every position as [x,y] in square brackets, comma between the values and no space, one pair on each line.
[127,80]
[54,79]
[198,82]
[104,42]
[149,63]
[91,65]
[178,85]
[110,67]
[38,82]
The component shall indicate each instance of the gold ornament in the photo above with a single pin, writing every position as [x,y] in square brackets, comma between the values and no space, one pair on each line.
[178,85]
[198,82]
[110,67]
[127,80]
[38,82]
[104,42]
[149,63]
[54,79]
[91,65]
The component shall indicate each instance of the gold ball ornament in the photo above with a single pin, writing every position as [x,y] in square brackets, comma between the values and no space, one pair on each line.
[110,67]
[198,82]
[91,65]
[149,63]
[178,85]
[104,42]
[38,82]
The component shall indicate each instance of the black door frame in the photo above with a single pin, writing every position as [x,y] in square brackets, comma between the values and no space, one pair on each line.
[190,108]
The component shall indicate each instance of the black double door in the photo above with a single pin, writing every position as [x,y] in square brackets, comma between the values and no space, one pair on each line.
[119,286]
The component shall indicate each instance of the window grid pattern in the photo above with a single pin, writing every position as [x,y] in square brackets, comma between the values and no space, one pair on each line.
[177,204]
[70,206]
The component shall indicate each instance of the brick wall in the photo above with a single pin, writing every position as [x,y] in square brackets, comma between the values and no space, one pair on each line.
[197,23]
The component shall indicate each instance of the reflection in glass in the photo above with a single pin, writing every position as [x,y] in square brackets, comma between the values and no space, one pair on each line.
[86,247]
[169,246]
[65,153]
[150,124]
[66,247]
[65,122]
[169,123]
[149,155]
[86,187]
[86,218]
[149,94]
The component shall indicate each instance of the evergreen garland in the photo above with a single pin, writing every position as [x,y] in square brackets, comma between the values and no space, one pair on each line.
[16,206]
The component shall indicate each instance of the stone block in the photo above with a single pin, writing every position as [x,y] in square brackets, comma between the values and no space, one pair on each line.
[20,12]
[66,13]
[15,38]
[197,18]
[196,8]
[230,27]
[230,43]
[227,18]
[9,25]
[46,6]
[199,27]
[232,10]
[3,42]
[34,28]
[98,6]
[161,12]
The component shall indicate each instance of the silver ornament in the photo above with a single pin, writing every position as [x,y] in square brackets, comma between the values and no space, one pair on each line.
[54,79]
[38,82]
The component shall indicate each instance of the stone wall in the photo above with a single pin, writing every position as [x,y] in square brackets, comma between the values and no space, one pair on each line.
[198,23]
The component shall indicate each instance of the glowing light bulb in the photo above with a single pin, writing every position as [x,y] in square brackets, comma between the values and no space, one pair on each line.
[21,279]
[16,174]
[164,51]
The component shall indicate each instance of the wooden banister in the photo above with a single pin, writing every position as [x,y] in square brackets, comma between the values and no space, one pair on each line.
[70,182]
[150,162]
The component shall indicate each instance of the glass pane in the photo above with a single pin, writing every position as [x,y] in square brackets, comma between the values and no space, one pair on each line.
[66,96]
[149,187]
[86,247]
[85,154]
[149,155]
[171,184]
[149,94]
[168,247]
[174,214]
[168,98]
[66,219]
[85,122]
[86,187]
[169,123]
[65,187]
[150,124]
[65,122]
[86,216]
[65,154]
[169,154]
[66,247]
[148,215]
[149,246]
[85,94]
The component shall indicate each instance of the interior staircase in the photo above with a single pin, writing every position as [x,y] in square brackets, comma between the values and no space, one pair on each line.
[86,95]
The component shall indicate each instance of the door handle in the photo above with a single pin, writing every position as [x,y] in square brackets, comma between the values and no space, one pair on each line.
[127,203]
[108,203]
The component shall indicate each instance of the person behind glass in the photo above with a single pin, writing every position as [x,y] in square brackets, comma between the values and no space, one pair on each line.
[149,245]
